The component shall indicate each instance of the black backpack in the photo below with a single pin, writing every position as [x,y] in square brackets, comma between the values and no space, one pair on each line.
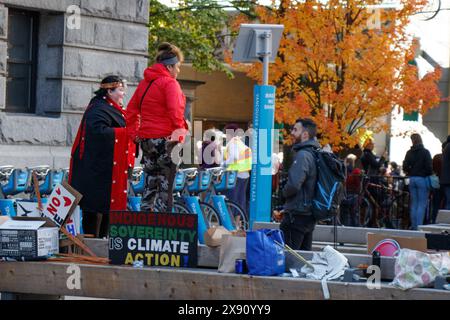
[330,189]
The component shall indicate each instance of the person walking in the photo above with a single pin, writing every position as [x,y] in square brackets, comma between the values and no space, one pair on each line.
[298,222]
[418,166]
[445,176]
[156,122]
[101,157]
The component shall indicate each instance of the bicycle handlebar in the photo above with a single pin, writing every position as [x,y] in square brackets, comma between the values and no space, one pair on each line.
[5,172]
[216,172]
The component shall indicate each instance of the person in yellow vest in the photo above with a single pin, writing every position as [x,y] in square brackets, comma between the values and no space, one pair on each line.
[238,157]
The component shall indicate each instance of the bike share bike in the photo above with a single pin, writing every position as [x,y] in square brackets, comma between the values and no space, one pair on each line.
[183,202]
[231,214]
[190,186]
[15,181]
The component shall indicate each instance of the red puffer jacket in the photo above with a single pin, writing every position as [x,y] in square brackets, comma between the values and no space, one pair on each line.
[162,110]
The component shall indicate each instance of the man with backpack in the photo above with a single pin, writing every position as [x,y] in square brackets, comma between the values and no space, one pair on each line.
[298,221]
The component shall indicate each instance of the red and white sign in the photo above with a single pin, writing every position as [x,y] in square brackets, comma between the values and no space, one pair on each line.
[74,222]
[61,203]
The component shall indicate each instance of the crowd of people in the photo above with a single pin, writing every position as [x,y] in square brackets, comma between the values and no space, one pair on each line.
[426,179]
[111,136]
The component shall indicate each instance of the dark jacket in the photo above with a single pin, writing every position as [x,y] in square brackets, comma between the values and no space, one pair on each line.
[370,163]
[418,162]
[302,176]
[437,165]
[445,175]
[101,156]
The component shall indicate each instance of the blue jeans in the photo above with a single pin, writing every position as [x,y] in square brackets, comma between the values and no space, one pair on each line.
[419,191]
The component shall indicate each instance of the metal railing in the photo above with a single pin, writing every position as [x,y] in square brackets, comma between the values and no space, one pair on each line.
[370,201]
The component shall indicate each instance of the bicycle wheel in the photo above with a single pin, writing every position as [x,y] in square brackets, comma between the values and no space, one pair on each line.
[210,214]
[237,215]
[178,207]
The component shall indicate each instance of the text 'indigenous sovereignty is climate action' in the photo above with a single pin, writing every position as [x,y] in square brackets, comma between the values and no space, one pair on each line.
[156,239]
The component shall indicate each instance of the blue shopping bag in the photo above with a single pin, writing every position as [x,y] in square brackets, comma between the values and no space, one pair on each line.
[264,256]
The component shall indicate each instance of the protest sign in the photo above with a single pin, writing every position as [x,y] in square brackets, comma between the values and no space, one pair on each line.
[157,239]
[61,203]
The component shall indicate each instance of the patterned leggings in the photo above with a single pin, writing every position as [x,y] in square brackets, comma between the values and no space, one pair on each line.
[160,171]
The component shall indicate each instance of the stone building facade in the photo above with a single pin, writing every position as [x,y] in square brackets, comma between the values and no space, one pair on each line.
[50,66]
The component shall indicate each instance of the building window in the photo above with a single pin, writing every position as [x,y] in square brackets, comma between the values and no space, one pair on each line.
[21,63]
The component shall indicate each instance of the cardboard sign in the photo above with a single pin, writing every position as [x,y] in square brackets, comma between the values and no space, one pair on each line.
[419,244]
[73,223]
[27,209]
[61,203]
[156,239]
[30,209]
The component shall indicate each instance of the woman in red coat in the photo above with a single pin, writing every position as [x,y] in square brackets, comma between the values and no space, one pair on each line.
[155,120]
[101,156]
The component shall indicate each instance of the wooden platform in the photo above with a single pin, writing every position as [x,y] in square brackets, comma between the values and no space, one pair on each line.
[209,257]
[124,282]
[443,217]
[352,235]
[349,239]
[435,228]
[117,282]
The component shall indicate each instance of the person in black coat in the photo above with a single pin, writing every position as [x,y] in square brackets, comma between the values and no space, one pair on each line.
[445,175]
[298,222]
[418,166]
[372,166]
[101,156]
[369,161]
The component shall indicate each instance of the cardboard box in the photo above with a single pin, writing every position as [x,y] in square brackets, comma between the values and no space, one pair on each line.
[24,237]
[4,219]
[419,244]
[213,236]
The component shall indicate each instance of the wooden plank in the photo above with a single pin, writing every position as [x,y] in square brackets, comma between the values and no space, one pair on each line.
[354,235]
[117,282]
[435,228]
[208,257]
[443,217]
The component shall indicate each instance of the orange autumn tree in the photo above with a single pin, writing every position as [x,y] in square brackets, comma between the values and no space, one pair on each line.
[345,65]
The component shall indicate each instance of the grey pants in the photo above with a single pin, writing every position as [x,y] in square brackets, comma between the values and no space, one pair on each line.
[160,174]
